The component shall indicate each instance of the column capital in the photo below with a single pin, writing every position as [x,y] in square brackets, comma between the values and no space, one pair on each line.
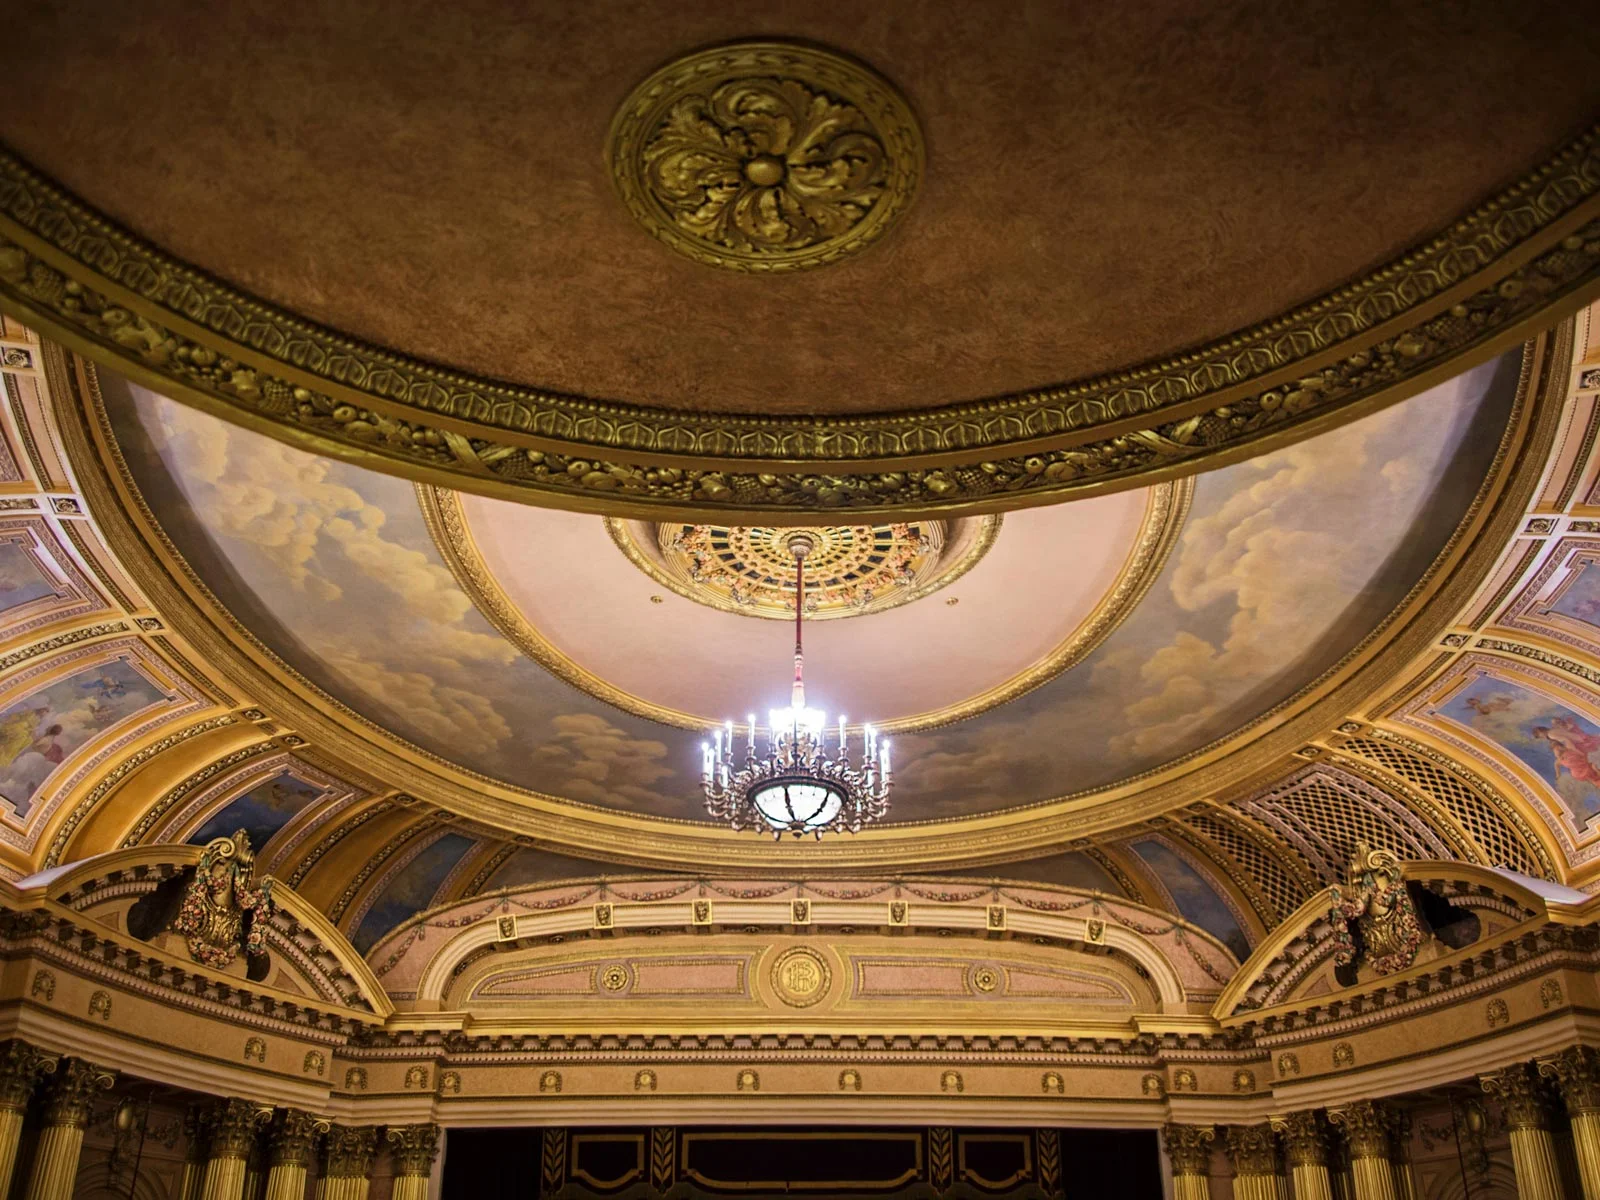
[1189,1148]
[233,1125]
[1576,1072]
[1521,1094]
[1305,1138]
[1253,1150]
[21,1067]
[293,1136]
[1367,1128]
[414,1148]
[70,1088]
[350,1150]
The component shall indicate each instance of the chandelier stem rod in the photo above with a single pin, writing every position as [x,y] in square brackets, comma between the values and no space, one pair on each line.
[798,699]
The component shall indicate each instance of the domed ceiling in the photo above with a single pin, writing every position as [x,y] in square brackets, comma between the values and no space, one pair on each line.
[752,265]
[1058,651]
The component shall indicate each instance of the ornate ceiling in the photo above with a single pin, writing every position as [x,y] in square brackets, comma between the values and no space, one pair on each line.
[962,281]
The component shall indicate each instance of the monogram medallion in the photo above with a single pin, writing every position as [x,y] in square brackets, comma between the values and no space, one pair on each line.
[801,977]
[763,156]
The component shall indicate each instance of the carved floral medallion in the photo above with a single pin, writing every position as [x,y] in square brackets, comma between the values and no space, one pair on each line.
[763,156]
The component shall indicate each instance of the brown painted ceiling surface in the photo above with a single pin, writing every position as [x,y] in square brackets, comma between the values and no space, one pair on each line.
[1105,183]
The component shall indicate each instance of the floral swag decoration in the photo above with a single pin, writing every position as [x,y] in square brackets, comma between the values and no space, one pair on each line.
[1377,920]
[223,911]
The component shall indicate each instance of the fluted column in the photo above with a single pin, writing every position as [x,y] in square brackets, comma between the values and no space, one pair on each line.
[233,1134]
[1257,1163]
[1305,1145]
[350,1151]
[1405,1178]
[290,1141]
[1577,1074]
[197,1135]
[21,1065]
[1189,1152]
[1367,1127]
[1533,1150]
[414,1149]
[66,1111]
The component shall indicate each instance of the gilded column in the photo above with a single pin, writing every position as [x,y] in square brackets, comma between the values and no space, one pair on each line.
[21,1066]
[1577,1073]
[350,1151]
[1305,1145]
[1367,1127]
[1533,1150]
[290,1141]
[414,1149]
[1189,1151]
[1405,1178]
[233,1135]
[1257,1163]
[196,1133]
[66,1111]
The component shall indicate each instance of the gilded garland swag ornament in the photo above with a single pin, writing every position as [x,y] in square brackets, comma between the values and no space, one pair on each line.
[1376,901]
[763,156]
[223,910]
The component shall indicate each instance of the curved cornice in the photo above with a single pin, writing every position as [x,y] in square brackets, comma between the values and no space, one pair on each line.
[996,837]
[1488,280]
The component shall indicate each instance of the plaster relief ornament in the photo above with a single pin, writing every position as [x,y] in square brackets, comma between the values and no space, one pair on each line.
[1388,933]
[763,156]
[223,910]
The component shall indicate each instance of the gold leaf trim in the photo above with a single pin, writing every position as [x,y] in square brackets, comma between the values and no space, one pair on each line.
[1165,512]
[1489,279]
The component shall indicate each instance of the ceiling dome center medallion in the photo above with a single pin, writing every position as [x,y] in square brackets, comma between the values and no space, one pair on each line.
[850,570]
[764,156]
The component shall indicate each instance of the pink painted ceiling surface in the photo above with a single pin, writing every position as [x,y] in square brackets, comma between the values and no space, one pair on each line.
[1047,571]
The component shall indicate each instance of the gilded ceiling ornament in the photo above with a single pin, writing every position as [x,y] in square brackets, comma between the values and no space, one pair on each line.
[1508,266]
[854,569]
[764,156]
[223,911]
[1380,907]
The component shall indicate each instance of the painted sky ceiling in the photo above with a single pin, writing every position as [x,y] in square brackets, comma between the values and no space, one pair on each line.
[1286,562]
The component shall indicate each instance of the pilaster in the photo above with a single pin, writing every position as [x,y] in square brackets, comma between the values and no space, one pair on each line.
[349,1153]
[1305,1144]
[66,1111]
[21,1067]
[1533,1150]
[1257,1163]
[233,1134]
[1576,1072]
[290,1142]
[1189,1152]
[413,1148]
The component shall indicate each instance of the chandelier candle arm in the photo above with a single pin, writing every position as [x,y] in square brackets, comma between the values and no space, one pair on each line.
[797,788]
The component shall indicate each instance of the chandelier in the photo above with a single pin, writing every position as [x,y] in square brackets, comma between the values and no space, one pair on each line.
[797,787]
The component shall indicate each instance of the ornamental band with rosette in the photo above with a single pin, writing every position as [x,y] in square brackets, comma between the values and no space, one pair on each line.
[1485,282]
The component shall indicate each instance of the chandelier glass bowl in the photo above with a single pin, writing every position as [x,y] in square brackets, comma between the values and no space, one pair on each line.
[798,787]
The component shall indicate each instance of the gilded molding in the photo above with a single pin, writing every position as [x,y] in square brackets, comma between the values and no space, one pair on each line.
[765,156]
[1164,517]
[1492,277]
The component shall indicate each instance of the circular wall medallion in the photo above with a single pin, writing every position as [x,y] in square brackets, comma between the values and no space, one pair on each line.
[851,569]
[614,978]
[985,978]
[801,977]
[764,156]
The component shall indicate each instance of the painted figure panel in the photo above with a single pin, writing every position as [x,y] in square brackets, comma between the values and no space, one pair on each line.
[40,731]
[1560,745]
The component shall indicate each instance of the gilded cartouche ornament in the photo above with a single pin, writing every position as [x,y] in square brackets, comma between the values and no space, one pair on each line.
[764,156]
